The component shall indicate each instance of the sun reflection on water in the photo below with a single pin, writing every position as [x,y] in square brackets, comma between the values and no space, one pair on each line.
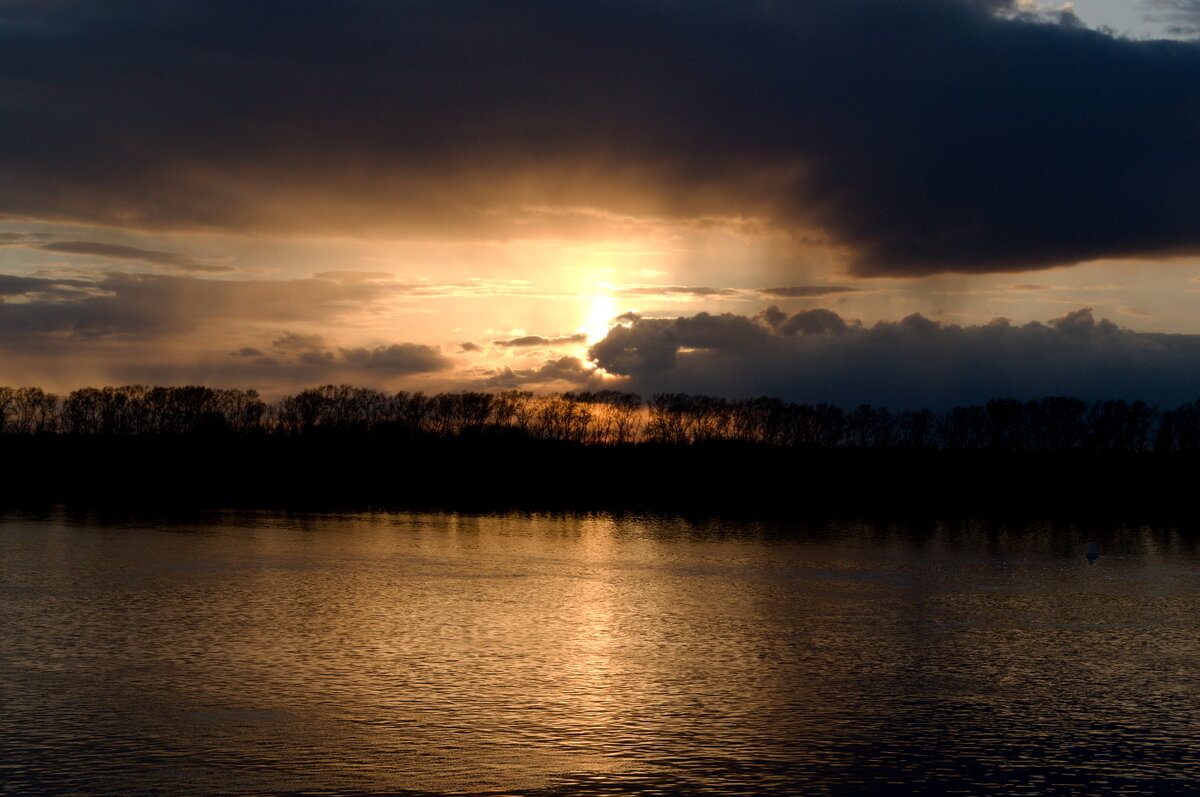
[378,652]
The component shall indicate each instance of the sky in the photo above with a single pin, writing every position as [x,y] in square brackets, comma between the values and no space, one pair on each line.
[898,202]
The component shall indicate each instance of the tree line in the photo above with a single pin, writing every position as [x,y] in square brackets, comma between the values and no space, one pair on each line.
[606,417]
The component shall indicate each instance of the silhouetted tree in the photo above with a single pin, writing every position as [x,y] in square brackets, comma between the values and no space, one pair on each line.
[1120,426]
[1179,429]
[82,411]
[759,420]
[606,417]
[1057,423]
[916,429]
[457,414]
[242,410]
[963,428]
[27,410]
[409,413]
[1004,425]
[667,422]
[869,427]
[616,416]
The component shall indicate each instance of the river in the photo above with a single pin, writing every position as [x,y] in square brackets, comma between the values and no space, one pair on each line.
[275,653]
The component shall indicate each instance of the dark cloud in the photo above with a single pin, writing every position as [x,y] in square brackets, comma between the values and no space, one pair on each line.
[808,322]
[315,357]
[1181,17]
[34,289]
[818,356]
[296,341]
[772,317]
[21,238]
[171,330]
[469,346]
[355,276]
[153,328]
[675,291]
[526,341]
[404,358]
[652,344]
[570,369]
[805,291]
[919,136]
[563,369]
[148,305]
[117,252]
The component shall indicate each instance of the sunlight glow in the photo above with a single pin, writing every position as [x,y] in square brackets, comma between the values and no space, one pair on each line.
[600,312]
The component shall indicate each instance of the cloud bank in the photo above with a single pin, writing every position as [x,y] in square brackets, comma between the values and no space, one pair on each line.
[805,291]
[176,329]
[920,136]
[400,358]
[818,356]
[154,257]
[530,341]
[149,305]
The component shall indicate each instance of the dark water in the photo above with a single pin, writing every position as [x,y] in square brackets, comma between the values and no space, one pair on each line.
[594,655]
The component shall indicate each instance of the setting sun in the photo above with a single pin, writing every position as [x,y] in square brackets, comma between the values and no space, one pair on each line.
[599,314]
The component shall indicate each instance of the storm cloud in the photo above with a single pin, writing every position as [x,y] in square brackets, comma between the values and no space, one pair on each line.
[818,356]
[918,137]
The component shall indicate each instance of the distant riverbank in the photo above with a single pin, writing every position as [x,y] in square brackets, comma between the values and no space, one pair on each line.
[338,446]
[313,471]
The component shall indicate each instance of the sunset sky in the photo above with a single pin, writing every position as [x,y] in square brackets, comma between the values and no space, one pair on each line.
[904,202]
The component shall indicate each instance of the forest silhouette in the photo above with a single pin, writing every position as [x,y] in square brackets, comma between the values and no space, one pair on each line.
[339,444]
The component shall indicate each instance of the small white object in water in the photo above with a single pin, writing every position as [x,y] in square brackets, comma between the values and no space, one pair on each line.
[1093,553]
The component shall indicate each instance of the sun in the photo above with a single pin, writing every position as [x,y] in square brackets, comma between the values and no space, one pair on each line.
[599,312]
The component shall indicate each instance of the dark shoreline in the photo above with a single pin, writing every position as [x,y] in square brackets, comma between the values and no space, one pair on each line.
[279,472]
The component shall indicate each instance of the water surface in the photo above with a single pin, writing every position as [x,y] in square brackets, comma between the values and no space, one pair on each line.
[274,653]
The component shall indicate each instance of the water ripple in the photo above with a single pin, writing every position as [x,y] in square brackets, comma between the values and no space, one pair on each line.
[443,654]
